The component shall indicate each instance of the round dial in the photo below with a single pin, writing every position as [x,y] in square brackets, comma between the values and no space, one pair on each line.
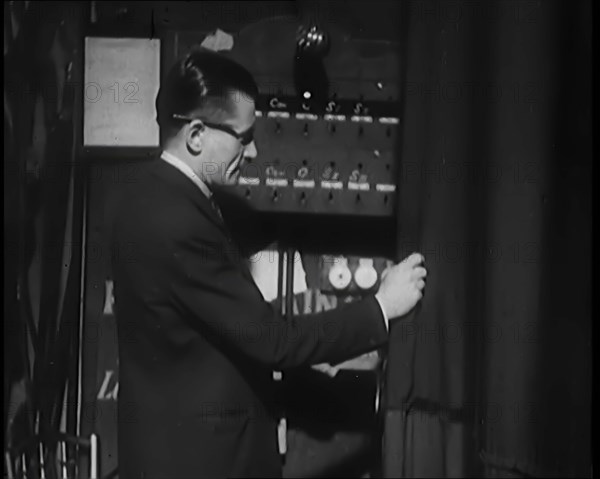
[340,275]
[365,275]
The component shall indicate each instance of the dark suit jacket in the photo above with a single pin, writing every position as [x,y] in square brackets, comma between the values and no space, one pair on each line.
[198,343]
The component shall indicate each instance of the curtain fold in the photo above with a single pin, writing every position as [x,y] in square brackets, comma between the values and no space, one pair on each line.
[495,192]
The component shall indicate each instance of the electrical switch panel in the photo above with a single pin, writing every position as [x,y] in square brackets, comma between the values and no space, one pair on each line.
[338,160]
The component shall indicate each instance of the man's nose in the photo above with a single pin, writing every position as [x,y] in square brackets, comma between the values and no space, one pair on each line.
[250,151]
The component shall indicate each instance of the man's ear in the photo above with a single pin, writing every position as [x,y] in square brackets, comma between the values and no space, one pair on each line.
[195,137]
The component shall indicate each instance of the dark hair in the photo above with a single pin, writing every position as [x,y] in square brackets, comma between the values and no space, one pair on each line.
[203,83]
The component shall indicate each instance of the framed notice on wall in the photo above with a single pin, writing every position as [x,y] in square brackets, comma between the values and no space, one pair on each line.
[121,81]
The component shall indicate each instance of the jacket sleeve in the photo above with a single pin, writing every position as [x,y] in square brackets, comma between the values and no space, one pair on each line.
[207,286]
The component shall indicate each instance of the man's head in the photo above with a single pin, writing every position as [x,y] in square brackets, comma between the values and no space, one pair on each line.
[206,113]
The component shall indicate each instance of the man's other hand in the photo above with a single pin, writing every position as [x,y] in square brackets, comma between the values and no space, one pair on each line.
[402,286]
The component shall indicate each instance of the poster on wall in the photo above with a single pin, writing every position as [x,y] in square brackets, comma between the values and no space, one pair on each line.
[121,81]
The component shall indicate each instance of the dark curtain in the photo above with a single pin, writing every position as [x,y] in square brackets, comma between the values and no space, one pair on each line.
[491,376]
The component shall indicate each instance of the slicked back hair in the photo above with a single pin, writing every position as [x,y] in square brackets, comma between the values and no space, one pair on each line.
[202,84]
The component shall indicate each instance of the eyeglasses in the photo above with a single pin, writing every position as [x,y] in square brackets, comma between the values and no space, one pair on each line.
[245,138]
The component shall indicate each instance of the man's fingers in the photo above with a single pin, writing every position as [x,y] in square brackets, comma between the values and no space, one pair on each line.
[414,259]
[420,284]
[419,272]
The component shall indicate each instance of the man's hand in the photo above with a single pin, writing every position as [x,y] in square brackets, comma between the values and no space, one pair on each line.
[402,286]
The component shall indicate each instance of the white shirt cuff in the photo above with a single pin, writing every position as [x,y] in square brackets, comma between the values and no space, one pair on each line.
[385,318]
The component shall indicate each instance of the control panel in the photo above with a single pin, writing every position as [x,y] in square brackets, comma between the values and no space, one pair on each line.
[337,160]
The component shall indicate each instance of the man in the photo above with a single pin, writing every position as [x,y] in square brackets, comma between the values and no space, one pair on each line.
[197,341]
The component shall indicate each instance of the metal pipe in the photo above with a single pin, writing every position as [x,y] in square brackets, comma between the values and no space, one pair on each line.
[81,311]
[93,456]
[280,268]
[277,375]
[289,295]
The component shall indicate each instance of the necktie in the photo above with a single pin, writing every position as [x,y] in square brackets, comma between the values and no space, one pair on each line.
[232,246]
[215,207]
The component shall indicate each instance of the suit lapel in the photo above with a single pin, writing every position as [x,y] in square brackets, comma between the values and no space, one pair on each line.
[166,172]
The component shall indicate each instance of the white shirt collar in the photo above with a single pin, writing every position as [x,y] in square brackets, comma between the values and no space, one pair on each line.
[187,171]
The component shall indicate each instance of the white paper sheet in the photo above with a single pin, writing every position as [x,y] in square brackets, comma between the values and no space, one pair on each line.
[121,81]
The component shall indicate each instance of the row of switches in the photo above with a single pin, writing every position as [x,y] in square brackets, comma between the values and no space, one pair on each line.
[275,196]
[332,129]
